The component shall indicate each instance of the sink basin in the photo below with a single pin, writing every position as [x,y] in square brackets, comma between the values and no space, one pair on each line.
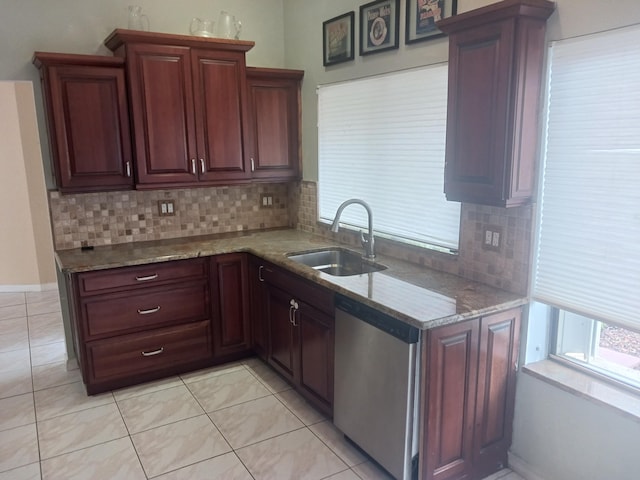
[337,262]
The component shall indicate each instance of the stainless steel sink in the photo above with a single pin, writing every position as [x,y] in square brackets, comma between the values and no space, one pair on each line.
[337,262]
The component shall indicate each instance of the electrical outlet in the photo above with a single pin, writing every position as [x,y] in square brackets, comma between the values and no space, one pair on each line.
[492,238]
[266,200]
[166,208]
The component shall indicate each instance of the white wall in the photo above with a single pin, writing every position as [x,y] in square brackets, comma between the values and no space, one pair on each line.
[549,421]
[26,246]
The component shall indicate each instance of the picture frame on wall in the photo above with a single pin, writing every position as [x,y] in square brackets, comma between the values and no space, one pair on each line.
[338,39]
[379,26]
[422,16]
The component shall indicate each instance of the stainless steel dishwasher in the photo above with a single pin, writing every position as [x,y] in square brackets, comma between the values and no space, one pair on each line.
[375,394]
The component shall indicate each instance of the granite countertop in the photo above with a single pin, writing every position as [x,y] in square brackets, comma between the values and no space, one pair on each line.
[417,295]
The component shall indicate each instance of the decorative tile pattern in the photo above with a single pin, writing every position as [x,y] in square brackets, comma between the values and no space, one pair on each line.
[120,217]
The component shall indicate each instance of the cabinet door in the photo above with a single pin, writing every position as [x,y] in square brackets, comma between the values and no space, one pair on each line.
[231,330]
[275,118]
[281,341]
[499,340]
[449,373]
[478,130]
[88,127]
[162,104]
[258,302]
[221,115]
[315,333]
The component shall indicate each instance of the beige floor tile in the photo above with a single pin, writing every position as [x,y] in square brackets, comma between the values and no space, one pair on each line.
[227,390]
[297,455]
[46,328]
[67,433]
[300,407]
[254,421]
[38,308]
[498,475]
[511,476]
[18,447]
[14,334]
[346,475]
[145,388]
[13,311]
[51,353]
[268,377]
[14,360]
[179,444]
[40,297]
[15,382]
[207,373]
[112,460]
[334,439]
[54,375]
[17,411]
[369,471]
[226,467]
[10,299]
[158,408]
[70,398]
[28,472]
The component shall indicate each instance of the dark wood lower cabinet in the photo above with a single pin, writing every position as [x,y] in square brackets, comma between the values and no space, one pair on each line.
[258,295]
[230,294]
[299,321]
[467,397]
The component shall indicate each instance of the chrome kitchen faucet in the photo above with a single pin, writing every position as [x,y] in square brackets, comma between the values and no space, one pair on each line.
[367,242]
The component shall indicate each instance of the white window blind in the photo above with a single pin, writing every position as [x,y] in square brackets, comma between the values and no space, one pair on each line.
[382,139]
[589,239]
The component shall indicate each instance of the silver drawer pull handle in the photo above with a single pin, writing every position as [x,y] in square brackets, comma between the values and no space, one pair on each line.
[151,310]
[148,277]
[155,352]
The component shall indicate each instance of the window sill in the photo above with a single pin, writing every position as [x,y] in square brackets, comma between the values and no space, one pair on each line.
[587,387]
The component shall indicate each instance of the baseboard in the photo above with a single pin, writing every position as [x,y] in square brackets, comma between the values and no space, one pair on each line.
[28,288]
[522,468]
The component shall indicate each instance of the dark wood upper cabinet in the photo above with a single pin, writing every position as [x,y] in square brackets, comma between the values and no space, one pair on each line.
[189,107]
[88,121]
[496,60]
[274,99]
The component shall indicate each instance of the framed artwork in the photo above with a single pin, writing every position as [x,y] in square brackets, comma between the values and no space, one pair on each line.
[422,16]
[338,39]
[379,26]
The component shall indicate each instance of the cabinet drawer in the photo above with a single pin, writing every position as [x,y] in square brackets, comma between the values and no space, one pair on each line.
[148,308]
[103,281]
[138,353]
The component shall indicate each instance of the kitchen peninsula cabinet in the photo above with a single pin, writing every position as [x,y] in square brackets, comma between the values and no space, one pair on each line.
[496,58]
[133,324]
[467,396]
[274,97]
[300,325]
[87,117]
[230,294]
[189,108]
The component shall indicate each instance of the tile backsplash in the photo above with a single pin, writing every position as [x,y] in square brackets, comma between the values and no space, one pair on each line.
[119,217]
[107,218]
